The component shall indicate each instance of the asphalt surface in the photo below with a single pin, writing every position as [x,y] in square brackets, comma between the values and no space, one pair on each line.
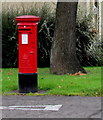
[72,106]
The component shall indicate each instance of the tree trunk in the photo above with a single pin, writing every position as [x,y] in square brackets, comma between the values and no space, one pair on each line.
[63,52]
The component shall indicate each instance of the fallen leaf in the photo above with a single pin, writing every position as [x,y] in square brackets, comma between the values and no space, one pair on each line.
[9,73]
[84,77]
[96,93]
[62,80]
[78,73]
[8,78]
[59,86]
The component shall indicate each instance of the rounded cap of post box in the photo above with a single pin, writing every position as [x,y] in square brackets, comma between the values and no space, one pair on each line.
[27,18]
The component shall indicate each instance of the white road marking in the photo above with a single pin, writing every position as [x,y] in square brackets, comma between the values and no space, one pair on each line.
[36,107]
[53,107]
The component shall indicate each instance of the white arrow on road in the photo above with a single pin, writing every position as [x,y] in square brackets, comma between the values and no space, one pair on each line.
[36,107]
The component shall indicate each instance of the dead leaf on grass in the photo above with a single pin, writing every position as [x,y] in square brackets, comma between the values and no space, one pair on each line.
[9,73]
[62,80]
[8,78]
[59,86]
[78,73]
[84,77]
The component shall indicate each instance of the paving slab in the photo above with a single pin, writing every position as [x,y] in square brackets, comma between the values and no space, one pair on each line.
[71,107]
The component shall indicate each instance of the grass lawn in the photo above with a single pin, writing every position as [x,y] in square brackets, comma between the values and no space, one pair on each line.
[84,85]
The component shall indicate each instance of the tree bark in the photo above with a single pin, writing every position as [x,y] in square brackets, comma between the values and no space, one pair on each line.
[63,57]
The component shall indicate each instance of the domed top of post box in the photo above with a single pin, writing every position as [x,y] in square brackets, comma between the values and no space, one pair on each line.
[27,18]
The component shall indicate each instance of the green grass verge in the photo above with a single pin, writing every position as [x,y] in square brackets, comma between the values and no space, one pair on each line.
[85,85]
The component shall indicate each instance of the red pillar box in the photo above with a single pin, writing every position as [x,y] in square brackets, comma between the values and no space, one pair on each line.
[27,49]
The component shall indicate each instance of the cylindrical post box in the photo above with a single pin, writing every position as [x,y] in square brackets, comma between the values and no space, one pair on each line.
[27,53]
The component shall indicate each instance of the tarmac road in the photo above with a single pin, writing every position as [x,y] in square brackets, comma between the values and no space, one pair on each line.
[72,107]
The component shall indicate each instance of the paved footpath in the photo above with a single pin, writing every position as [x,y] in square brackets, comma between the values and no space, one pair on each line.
[72,107]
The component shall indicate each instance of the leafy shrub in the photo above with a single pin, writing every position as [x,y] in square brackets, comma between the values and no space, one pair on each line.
[88,52]
[45,35]
[9,39]
[9,33]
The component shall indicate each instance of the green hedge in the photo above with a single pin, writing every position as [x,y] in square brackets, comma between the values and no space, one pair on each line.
[85,38]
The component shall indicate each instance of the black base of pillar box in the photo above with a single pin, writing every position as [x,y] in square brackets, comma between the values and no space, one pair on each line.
[27,82]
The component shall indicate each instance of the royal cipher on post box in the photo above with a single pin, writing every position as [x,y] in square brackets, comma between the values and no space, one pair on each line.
[27,53]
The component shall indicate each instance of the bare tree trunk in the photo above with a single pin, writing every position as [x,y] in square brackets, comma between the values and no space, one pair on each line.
[63,52]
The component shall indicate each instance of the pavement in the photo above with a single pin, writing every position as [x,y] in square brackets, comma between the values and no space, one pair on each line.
[72,107]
